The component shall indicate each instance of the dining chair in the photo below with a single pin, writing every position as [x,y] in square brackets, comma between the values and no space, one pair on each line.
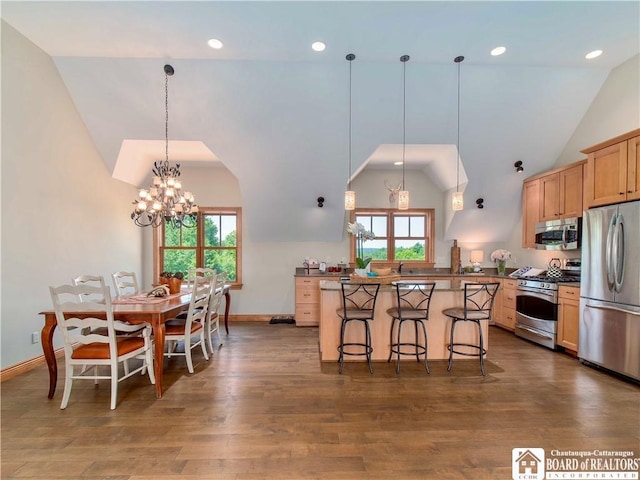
[478,306]
[192,273]
[212,323]
[80,310]
[193,326]
[125,283]
[413,300]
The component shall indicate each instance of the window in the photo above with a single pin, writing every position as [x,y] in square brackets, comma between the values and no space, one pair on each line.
[214,243]
[405,236]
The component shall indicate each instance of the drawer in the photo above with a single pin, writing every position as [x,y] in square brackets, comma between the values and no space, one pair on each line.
[510,283]
[302,282]
[509,318]
[310,294]
[307,315]
[568,292]
[509,299]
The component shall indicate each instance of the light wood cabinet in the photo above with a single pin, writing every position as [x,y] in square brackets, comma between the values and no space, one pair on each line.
[568,317]
[531,212]
[551,195]
[308,301]
[561,194]
[507,319]
[613,171]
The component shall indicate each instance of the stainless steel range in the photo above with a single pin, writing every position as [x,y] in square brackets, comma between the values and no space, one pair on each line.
[537,309]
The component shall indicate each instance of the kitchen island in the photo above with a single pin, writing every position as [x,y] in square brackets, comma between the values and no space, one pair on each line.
[447,293]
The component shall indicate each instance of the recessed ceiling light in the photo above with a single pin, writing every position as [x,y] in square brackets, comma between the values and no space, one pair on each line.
[498,51]
[318,46]
[397,163]
[594,54]
[215,44]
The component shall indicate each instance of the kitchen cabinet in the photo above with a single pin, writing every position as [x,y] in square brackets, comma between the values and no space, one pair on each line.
[568,317]
[308,300]
[613,171]
[507,317]
[531,212]
[561,194]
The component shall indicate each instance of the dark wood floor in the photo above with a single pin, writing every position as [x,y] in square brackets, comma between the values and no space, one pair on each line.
[264,407]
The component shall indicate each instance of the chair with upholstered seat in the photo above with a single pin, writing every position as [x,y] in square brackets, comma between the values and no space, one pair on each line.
[83,347]
[125,283]
[358,305]
[193,326]
[413,300]
[478,307]
[212,323]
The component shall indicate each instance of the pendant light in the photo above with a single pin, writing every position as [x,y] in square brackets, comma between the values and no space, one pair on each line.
[457,202]
[349,195]
[403,195]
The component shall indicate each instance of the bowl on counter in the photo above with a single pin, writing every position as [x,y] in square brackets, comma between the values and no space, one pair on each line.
[381,271]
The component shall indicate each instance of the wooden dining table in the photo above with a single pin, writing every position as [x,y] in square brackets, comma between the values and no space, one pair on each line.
[156,313]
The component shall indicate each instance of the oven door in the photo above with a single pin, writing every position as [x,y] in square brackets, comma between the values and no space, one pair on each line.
[536,317]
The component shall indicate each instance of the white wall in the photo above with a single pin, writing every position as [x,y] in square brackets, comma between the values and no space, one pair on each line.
[62,213]
[614,111]
[268,267]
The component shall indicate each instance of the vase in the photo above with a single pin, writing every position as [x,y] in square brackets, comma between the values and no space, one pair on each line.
[501,266]
[174,285]
[361,272]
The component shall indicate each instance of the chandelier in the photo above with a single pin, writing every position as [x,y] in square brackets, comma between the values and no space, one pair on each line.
[165,199]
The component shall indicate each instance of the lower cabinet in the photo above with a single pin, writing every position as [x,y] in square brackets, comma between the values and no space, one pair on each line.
[568,317]
[308,301]
[508,318]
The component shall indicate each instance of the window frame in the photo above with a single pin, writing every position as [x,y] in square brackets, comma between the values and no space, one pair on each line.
[390,213]
[200,248]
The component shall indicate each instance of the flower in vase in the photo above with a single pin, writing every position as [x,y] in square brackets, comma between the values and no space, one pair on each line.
[500,254]
[362,235]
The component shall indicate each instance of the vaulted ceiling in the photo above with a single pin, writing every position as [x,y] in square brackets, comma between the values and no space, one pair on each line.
[275,113]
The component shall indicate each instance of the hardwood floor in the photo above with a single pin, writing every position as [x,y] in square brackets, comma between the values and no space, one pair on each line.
[265,408]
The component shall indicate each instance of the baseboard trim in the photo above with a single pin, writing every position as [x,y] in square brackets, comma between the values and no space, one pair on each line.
[27,365]
[250,318]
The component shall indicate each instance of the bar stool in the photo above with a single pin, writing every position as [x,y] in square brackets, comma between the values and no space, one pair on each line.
[478,306]
[413,300]
[358,304]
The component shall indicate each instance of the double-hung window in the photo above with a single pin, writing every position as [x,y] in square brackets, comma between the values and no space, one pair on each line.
[215,243]
[401,235]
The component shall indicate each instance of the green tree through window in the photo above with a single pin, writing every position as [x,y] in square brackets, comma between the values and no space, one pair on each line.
[214,243]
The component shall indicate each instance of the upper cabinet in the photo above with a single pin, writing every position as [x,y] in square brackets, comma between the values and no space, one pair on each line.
[551,196]
[561,194]
[531,212]
[613,171]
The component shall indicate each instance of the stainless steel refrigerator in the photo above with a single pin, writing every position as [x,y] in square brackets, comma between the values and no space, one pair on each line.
[609,334]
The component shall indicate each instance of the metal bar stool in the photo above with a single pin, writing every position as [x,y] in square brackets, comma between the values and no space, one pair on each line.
[478,306]
[358,304]
[413,300]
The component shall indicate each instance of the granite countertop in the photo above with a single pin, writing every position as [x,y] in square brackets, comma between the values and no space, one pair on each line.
[441,285]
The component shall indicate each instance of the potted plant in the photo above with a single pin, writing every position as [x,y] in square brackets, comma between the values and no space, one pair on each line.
[361,235]
[174,280]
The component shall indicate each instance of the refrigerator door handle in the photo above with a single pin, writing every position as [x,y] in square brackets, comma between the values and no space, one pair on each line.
[609,253]
[620,253]
[617,309]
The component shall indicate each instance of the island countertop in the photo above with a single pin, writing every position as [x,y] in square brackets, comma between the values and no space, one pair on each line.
[455,285]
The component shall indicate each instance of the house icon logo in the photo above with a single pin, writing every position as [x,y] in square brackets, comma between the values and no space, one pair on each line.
[527,463]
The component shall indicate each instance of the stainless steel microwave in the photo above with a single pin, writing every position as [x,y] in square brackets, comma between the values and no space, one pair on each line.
[564,234]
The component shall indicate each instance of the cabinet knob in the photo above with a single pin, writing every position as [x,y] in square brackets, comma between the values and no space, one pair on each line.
[621,193]
[629,191]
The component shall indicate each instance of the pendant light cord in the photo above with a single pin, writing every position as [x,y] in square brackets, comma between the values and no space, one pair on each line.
[458,60]
[404,59]
[350,58]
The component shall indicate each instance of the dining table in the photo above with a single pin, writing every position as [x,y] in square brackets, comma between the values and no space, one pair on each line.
[134,309]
